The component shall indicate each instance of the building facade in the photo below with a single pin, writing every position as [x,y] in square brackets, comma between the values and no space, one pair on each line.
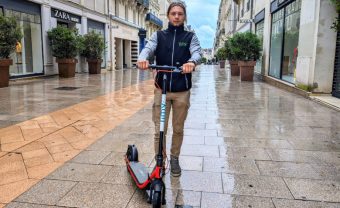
[124,25]
[37,17]
[163,7]
[127,23]
[298,42]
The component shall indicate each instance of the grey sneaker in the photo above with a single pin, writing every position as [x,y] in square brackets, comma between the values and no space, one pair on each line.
[175,168]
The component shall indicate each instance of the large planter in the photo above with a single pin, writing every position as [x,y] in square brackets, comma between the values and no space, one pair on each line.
[67,67]
[247,70]
[4,71]
[235,70]
[95,66]
[222,64]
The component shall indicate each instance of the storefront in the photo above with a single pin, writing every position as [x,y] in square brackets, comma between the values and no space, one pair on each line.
[28,56]
[284,39]
[259,27]
[65,19]
[98,27]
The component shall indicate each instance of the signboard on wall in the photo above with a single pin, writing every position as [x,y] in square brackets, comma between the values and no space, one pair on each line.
[59,14]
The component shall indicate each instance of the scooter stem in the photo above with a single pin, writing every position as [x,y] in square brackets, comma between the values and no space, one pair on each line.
[162,123]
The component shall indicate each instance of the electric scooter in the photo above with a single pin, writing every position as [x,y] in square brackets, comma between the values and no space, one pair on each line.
[152,182]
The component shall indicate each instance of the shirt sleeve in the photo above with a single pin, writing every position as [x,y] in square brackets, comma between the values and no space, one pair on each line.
[150,48]
[195,50]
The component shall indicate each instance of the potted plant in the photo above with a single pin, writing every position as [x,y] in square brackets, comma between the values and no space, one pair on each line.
[234,68]
[92,49]
[246,47]
[10,35]
[221,56]
[65,44]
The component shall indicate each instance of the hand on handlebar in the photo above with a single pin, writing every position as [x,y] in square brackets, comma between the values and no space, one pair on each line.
[143,64]
[188,67]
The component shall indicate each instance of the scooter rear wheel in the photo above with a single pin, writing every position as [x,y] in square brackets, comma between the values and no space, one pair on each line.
[132,153]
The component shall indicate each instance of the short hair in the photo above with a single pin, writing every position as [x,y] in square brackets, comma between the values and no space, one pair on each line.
[177,3]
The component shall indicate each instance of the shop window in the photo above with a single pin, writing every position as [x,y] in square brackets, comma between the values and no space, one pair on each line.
[98,28]
[27,58]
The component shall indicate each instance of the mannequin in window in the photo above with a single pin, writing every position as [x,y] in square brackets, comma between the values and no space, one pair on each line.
[18,51]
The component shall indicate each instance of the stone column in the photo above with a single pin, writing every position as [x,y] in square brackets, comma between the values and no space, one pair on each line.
[119,53]
[82,65]
[46,25]
[127,46]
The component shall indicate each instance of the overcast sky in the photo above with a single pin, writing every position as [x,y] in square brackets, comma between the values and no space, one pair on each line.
[202,16]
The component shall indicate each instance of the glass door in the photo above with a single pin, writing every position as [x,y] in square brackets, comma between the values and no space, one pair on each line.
[259,32]
[291,41]
[276,44]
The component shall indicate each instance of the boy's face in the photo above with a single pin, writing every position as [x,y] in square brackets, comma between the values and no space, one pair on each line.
[176,16]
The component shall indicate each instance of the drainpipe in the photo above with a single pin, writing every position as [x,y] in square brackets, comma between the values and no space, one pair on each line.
[110,30]
[251,14]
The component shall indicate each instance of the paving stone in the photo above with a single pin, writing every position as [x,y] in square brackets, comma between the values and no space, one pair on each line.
[288,169]
[251,185]
[97,195]
[230,165]
[188,198]
[90,157]
[191,163]
[118,175]
[316,190]
[283,203]
[293,156]
[193,140]
[200,150]
[253,202]
[258,143]
[244,153]
[195,181]
[46,192]
[80,172]
[27,205]
[331,158]
[216,200]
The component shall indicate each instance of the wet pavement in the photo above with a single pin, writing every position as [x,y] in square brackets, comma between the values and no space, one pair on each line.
[246,144]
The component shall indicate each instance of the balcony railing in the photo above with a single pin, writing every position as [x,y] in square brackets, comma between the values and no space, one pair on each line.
[155,20]
[145,3]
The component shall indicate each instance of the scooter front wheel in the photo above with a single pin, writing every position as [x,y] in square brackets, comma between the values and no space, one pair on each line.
[157,199]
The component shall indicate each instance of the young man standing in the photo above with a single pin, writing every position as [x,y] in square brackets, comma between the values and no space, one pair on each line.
[173,47]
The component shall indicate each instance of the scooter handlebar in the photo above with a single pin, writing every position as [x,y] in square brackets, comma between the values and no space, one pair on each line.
[166,68]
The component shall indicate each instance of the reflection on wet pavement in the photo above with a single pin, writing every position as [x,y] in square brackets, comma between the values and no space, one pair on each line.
[246,144]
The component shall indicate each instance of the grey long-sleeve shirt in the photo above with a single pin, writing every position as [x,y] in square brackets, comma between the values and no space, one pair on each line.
[150,48]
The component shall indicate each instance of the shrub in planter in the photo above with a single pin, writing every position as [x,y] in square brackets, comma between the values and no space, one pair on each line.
[10,35]
[246,47]
[92,49]
[65,44]
[221,56]
[234,68]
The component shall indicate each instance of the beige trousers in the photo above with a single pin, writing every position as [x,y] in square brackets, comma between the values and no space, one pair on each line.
[179,103]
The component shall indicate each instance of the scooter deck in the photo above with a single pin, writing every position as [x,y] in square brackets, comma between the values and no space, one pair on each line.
[140,171]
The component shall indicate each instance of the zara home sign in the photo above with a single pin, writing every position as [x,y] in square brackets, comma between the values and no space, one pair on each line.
[59,14]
